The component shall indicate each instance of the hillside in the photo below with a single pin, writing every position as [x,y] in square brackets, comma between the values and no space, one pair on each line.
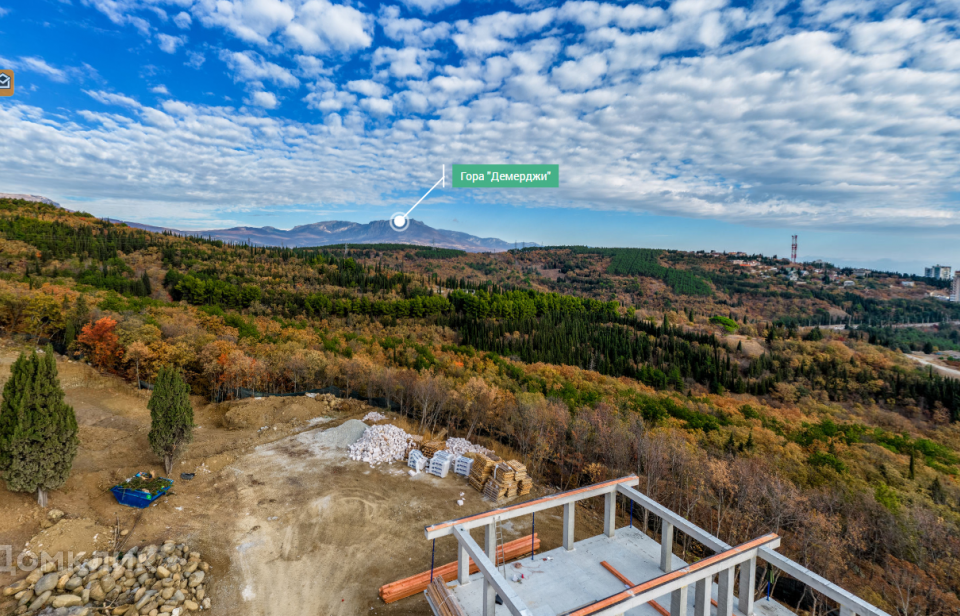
[708,378]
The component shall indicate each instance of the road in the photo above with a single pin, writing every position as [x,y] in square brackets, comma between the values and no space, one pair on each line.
[941,369]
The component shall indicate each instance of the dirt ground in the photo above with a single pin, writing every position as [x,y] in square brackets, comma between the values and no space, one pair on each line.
[290,527]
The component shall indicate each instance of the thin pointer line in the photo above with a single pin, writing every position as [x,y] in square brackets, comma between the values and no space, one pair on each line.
[422,198]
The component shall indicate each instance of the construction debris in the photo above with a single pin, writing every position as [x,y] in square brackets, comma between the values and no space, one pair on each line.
[374,416]
[381,444]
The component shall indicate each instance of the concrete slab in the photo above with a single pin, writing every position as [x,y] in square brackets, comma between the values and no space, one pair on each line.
[559,581]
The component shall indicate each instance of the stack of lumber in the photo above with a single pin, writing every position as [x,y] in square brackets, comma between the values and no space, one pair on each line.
[524,486]
[410,586]
[430,448]
[415,443]
[524,483]
[443,599]
[480,471]
[502,483]
[494,490]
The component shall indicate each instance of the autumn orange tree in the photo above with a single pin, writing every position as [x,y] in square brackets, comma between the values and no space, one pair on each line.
[100,341]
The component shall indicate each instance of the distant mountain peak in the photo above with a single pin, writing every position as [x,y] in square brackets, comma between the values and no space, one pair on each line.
[331,232]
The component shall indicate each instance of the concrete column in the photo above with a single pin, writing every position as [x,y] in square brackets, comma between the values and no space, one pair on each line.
[725,592]
[569,513]
[609,513]
[463,565]
[701,597]
[678,601]
[666,547]
[748,580]
[490,546]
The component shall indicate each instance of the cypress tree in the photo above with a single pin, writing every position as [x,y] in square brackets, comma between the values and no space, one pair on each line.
[171,415]
[38,430]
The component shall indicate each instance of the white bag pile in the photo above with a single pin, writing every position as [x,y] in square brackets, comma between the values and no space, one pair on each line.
[460,446]
[463,466]
[439,464]
[417,461]
[380,444]
[374,416]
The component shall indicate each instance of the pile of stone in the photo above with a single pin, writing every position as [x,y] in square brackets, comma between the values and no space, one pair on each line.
[374,416]
[148,581]
[461,446]
[381,444]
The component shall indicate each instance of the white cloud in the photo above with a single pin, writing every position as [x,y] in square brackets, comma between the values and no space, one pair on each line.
[311,67]
[195,59]
[329,100]
[267,100]
[411,32]
[842,113]
[489,34]
[320,26]
[160,89]
[253,21]
[182,20]
[38,65]
[170,43]
[367,88]
[110,98]
[403,63]
[4,11]
[377,106]
[251,67]
[581,74]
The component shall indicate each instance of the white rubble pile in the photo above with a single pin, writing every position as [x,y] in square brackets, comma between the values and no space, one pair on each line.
[374,416]
[460,446]
[380,444]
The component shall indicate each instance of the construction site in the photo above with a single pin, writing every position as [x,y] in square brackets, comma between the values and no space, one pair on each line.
[324,506]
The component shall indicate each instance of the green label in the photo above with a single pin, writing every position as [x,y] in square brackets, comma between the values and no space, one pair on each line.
[506,176]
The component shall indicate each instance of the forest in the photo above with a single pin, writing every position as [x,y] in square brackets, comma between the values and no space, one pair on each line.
[745,424]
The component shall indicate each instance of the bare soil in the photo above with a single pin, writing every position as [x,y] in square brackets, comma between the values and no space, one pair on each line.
[289,525]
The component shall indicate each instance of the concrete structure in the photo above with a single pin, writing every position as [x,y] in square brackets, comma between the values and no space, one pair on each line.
[955,288]
[620,572]
[940,272]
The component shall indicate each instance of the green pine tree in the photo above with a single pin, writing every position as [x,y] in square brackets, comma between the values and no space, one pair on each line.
[38,430]
[171,415]
[147,287]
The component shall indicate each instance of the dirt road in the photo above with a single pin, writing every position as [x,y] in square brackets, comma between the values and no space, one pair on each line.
[928,360]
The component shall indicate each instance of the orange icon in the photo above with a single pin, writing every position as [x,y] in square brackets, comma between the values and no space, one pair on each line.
[6,82]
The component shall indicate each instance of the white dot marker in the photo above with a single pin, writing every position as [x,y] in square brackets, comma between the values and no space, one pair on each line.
[400,220]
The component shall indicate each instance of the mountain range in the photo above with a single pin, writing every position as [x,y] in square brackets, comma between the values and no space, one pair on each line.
[342,232]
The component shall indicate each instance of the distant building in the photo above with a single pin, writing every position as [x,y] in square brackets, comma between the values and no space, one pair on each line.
[907,283]
[955,288]
[849,283]
[940,272]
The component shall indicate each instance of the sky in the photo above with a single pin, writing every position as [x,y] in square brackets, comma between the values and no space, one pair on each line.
[688,124]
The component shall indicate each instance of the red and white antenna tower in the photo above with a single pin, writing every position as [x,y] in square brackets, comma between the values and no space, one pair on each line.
[793,249]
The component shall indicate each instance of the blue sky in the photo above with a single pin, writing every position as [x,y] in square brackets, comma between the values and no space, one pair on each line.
[714,124]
